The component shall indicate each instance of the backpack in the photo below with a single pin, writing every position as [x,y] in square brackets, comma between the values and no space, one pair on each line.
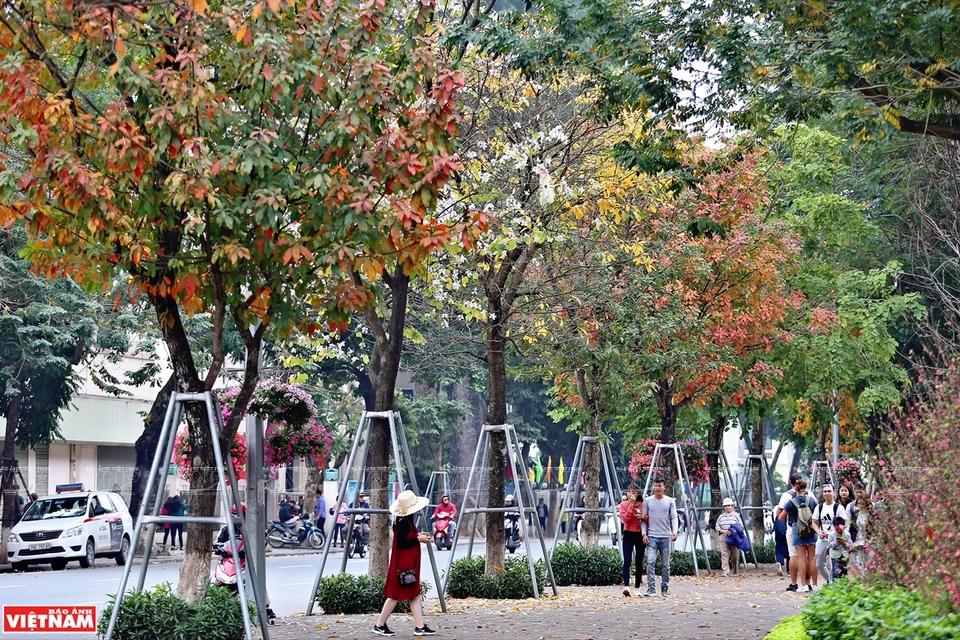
[804,518]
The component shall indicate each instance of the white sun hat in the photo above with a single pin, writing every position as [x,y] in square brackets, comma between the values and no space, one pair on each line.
[728,501]
[408,502]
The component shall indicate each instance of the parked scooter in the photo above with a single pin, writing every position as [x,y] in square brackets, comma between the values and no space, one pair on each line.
[225,572]
[441,532]
[280,535]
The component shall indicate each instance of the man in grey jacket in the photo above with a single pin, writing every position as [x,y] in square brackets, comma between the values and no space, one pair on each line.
[659,529]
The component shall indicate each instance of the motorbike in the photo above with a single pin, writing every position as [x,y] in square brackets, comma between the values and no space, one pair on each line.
[360,538]
[280,535]
[225,571]
[511,530]
[441,532]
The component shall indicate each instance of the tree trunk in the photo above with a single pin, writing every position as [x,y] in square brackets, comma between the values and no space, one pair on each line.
[466,447]
[795,460]
[385,367]
[591,466]
[756,480]
[668,432]
[553,511]
[714,443]
[8,473]
[146,448]
[496,414]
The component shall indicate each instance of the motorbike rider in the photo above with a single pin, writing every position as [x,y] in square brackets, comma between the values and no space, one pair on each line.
[288,515]
[513,516]
[362,520]
[224,537]
[449,509]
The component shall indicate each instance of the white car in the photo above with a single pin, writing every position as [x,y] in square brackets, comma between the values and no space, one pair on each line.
[72,524]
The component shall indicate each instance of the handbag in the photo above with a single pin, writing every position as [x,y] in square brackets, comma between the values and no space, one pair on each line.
[407,578]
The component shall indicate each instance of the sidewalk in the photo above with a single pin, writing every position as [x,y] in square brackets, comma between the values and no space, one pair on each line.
[707,608]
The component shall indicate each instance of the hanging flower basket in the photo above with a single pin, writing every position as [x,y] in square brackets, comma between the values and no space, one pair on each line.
[292,431]
[183,453]
[849,472]
[694,458]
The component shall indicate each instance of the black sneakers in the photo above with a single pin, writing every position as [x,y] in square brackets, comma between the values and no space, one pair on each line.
[383,631]
[424,631]
[792,587]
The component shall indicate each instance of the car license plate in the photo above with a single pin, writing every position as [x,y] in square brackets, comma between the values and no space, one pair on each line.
[40,545]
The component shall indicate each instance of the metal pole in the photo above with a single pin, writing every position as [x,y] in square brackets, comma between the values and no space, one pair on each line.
[256,510]
[466,494]
[543,543]
[341,494]
[353,516]
[138,527]
[575,470]
[523,515]
[167,449]
[563,501]
[610,488]
[396,426]
[225,505]
[485,461]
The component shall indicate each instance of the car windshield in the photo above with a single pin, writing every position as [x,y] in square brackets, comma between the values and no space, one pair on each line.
[66,507]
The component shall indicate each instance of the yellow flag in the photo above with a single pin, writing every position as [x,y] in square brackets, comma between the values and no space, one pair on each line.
[530,475]
[560,471]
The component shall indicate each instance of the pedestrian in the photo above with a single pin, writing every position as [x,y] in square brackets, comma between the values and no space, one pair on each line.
[320,512]
[300,505]
[26,507]
[659,529]
[17,506]
[165,511]
[845,499]
[862,511]
[799,512]
[823,517]
[728,518]
[175,507]
[542,512]
[340,525]
[840,544]
[792,565]
[631,515]
[403,574]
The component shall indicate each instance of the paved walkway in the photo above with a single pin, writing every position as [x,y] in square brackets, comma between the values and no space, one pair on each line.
[707,608]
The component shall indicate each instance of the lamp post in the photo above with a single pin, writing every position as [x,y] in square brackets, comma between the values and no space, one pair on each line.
[256,503]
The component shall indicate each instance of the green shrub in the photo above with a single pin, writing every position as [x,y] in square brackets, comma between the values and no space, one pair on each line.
[468,580]
[346,593]
[217,615]
[766,553]
[596,566]
[845,610]
[789,629]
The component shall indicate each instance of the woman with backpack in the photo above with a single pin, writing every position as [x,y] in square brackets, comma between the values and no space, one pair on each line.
[800,513]
[860,513]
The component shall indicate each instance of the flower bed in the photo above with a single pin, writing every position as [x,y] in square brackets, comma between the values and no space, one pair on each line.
[694,457]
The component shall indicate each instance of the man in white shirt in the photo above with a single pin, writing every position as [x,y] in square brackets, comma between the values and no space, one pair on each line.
[791,550]
[823,517]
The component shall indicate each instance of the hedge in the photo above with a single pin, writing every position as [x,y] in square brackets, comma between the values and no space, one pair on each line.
[789,629]
[596,566]
[159,614]
[845,610]
[346,593]
[468,580]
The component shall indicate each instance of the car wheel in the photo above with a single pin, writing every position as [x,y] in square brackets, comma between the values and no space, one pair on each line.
[121,556]
[316,540]
[89,555]
[275,539]
[58,565]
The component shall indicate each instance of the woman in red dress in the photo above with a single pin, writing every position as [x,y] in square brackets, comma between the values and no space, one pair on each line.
[403,576]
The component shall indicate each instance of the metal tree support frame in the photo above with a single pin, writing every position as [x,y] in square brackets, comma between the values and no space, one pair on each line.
[229,497]
[689,506]
[737,497]
[399,440]
[524,495]
[573,485]
[815,475]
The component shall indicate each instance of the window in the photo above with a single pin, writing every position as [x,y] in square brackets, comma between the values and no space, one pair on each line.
[65,507]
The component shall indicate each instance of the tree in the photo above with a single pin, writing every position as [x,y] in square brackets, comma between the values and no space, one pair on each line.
[232,158]
[893,63]
[47,329]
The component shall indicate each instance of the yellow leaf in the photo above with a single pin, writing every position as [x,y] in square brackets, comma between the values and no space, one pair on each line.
[200,6]
[121,48]
[257,10]
[241,32]
[274,5]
